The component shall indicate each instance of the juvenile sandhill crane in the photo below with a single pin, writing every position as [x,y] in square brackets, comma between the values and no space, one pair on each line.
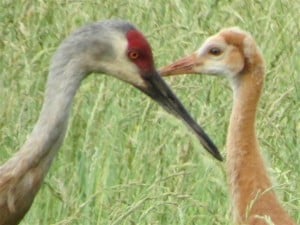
[234,53]
[112,47]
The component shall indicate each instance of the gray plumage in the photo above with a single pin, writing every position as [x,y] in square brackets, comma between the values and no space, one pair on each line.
[22,175]
[101,47]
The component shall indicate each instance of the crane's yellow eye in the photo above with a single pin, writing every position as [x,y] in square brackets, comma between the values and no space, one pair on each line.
[133,54]
[215,51]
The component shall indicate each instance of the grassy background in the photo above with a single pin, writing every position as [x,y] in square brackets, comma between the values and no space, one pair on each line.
[124,160]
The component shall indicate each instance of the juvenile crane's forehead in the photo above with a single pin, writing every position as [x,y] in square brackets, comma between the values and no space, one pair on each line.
[228,37]
[213,41]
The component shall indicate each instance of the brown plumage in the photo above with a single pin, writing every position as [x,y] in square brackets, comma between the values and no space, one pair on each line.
[234,53]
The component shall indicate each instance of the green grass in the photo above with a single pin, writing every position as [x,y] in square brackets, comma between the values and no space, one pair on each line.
[124,160]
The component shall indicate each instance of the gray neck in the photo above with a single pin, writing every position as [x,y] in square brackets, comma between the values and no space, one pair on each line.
[48,133]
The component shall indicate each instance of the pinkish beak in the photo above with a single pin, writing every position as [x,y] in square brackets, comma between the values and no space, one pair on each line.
[182,66]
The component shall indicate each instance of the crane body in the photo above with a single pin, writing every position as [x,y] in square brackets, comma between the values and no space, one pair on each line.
[234,53]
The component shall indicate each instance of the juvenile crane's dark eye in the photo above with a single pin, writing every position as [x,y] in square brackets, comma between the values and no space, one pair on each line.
[215,51]
[133,54]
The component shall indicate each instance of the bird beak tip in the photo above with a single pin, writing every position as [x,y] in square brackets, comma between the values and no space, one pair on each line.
[159,91]
[219,157]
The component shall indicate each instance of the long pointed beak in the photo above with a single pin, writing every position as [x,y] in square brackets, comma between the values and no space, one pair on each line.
[159,91]
[185,65]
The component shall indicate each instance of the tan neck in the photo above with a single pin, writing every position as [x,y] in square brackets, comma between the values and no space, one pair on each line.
[246,169]
[251,188]
[242,134]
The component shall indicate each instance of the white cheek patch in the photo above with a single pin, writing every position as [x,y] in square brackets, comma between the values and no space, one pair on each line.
[218,69]
[121,67]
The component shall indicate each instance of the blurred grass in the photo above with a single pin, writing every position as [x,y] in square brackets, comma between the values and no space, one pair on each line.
[124,160]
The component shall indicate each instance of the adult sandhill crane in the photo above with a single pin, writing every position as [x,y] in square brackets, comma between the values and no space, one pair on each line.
[234,53]
[112,47]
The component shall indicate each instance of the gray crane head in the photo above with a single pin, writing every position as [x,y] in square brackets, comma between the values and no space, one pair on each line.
[117,48]
[112,47]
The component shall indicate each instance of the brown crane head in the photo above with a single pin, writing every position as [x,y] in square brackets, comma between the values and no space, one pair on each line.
[231,52]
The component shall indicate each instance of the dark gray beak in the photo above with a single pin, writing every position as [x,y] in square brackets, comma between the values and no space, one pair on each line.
[159,91]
